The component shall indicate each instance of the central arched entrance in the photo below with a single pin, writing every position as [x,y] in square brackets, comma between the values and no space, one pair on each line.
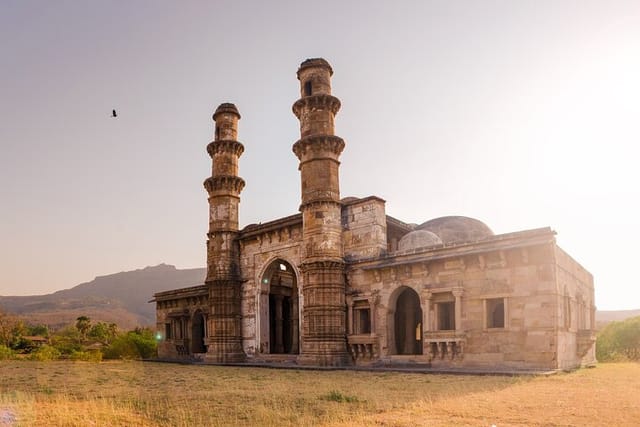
[279,325]
[197,333]
[408,323]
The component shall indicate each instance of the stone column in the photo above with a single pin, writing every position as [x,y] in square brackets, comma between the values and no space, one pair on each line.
[372,314]
[350,316]
[457,293]
[426,313]
[279,345]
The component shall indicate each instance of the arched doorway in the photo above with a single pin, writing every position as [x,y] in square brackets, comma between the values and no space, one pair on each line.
[408,323]
[197,333]
[279,325]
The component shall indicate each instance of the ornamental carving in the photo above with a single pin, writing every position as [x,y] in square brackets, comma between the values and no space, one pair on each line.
[225,182]
[225,146]
[323,101]
[322,265]
[328,201]
[318,145]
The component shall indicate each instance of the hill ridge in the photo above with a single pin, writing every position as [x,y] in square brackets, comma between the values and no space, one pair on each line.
[121,297]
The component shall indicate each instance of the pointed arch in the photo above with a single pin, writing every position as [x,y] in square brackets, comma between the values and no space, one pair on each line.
[278,309]
[405,322]
[198,333]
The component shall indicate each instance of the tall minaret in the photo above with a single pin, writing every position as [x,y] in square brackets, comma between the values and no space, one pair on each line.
[318,149]
[224,335]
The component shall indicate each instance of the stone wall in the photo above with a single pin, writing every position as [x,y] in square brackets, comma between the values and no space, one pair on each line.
[364,227]
[260,247]
[515,271]
[175,314]
[576,313]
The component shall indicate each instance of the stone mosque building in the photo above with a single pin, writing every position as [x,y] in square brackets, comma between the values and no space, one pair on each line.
[342,283]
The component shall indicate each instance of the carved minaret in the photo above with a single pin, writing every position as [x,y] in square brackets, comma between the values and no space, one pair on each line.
[224,336]
[318,149]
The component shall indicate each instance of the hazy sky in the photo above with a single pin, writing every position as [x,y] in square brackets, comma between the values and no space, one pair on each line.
[522,114]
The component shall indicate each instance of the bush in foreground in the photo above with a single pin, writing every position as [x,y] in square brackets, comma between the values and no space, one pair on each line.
[45,353]
[6,353]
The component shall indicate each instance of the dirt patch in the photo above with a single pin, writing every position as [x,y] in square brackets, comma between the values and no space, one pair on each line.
[7,417]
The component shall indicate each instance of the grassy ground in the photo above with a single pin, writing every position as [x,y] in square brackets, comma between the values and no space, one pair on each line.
[152,394]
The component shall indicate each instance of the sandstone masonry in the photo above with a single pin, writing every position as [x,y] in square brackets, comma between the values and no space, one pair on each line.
[342,283]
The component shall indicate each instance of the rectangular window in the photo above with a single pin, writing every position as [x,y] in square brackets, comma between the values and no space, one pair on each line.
[495,313]
[446,316]
[362,318]
[167,331]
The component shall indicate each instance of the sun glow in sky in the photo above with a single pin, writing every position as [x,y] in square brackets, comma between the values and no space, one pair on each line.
[521,114]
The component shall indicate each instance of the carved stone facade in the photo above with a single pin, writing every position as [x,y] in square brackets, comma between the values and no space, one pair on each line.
[343,283]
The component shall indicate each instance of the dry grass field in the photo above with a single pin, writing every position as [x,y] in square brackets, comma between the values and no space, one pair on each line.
[154,394]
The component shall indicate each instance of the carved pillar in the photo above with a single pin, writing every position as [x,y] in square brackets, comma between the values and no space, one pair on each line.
[373,302]
[350,316]
[457,293]
[426,321]
[279,317]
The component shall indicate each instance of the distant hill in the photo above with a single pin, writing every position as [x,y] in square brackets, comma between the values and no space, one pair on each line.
[122,298]
[604,317]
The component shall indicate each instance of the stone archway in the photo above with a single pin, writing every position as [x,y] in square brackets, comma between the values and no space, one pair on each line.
[198,333]
[279,308]
[407,318]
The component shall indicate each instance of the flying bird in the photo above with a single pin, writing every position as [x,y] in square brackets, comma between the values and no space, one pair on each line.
[113,113]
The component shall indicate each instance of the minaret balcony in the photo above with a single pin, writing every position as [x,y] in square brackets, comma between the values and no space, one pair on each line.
[321,101]
[318,146]
[225,146]
[225,183]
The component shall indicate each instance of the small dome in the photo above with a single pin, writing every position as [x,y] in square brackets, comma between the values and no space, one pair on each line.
[457,229]
[226,107]
[315,62]
[418,239]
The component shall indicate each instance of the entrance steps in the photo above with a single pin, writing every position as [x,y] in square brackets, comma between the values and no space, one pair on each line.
[280,359]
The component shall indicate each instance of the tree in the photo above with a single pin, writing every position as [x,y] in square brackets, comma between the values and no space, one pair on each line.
[7,328]
[102,332]
[83,324]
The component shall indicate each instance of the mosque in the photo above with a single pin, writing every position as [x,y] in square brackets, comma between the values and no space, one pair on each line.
[342,283]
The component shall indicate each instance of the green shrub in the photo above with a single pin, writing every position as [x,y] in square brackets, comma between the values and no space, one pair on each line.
[619,341]
[6,353]
[67,340]
[137,344]
[338,396]
[44,353]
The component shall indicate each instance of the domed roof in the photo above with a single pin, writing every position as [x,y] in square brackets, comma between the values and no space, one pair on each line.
[226,107]
[315,62]
[418,239]
[457,229]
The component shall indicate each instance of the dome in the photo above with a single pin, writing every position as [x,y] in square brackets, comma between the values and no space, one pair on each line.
[418,239]
[226,107]
[457,229]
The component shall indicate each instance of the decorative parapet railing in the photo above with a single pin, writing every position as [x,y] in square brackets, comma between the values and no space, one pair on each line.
[585,340]
[444,344]
[363,347]
[182,346]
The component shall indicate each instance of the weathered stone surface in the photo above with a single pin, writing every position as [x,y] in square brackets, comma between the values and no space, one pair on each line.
[343,283]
